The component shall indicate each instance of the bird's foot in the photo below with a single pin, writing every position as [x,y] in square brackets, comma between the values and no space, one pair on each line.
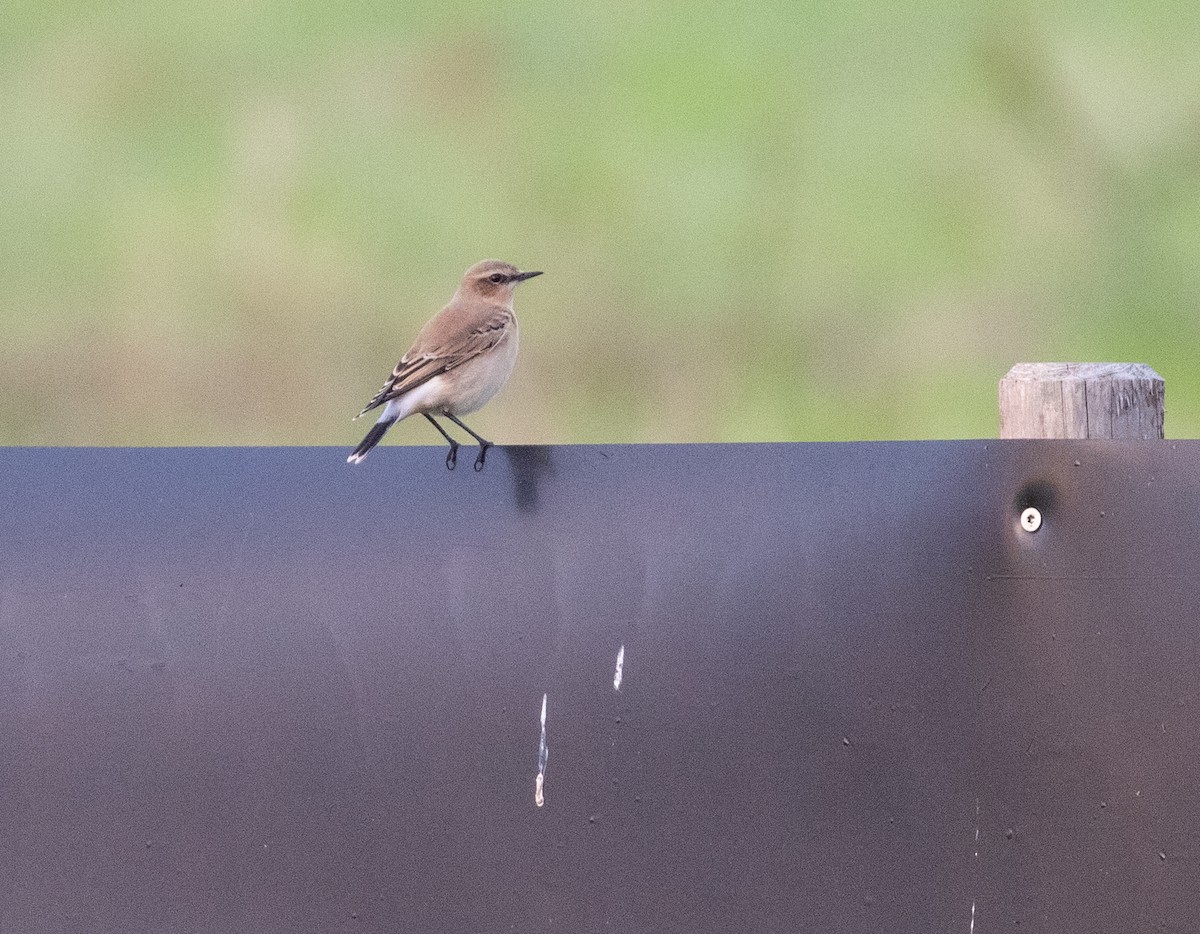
[452,456]
[483,449]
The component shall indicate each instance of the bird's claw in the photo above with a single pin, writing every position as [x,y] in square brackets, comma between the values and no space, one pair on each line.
[483,449]
[452,457]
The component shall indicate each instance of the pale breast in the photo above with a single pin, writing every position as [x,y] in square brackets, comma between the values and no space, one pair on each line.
[476,381]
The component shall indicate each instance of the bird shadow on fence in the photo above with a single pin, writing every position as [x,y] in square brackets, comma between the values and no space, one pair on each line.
[531,464]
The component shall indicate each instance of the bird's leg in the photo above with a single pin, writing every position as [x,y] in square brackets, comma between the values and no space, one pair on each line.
[452,457]
[484,443]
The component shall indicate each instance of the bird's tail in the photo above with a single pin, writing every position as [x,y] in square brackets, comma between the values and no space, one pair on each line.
[374,436]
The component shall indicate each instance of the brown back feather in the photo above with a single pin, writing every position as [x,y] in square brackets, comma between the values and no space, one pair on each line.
[458,333]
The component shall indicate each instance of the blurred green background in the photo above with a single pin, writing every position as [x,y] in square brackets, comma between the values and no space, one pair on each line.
[221,222]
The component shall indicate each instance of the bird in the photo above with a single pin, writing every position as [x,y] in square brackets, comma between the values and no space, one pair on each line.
[461,358]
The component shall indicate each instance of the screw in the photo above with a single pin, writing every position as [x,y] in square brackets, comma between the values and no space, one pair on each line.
[1031,519]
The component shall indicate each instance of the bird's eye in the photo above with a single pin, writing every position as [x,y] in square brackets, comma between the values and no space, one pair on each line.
[497,277]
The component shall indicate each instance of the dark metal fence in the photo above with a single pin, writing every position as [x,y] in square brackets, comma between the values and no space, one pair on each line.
[261,691]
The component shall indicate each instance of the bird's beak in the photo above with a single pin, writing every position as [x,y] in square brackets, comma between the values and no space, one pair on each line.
[521,277]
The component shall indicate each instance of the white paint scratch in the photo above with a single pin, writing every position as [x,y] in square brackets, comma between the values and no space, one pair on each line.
[971,930]
[543,754]
[620,668]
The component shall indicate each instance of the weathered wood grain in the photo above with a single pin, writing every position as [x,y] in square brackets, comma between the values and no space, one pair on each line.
[1082,400]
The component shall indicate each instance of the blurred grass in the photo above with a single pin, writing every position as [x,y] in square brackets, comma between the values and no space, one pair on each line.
[223,222]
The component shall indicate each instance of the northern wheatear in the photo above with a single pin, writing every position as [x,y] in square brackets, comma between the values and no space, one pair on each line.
[462,357]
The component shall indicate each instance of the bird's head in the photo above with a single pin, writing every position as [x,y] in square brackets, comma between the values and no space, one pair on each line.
[493,280]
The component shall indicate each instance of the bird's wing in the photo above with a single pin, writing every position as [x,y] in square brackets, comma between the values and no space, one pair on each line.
[444,343]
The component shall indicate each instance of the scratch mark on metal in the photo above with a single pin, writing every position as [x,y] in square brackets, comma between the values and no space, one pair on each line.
[620,668]
[543,754]
[971,930]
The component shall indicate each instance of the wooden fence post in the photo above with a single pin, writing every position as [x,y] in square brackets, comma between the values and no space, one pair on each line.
[1081,400]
